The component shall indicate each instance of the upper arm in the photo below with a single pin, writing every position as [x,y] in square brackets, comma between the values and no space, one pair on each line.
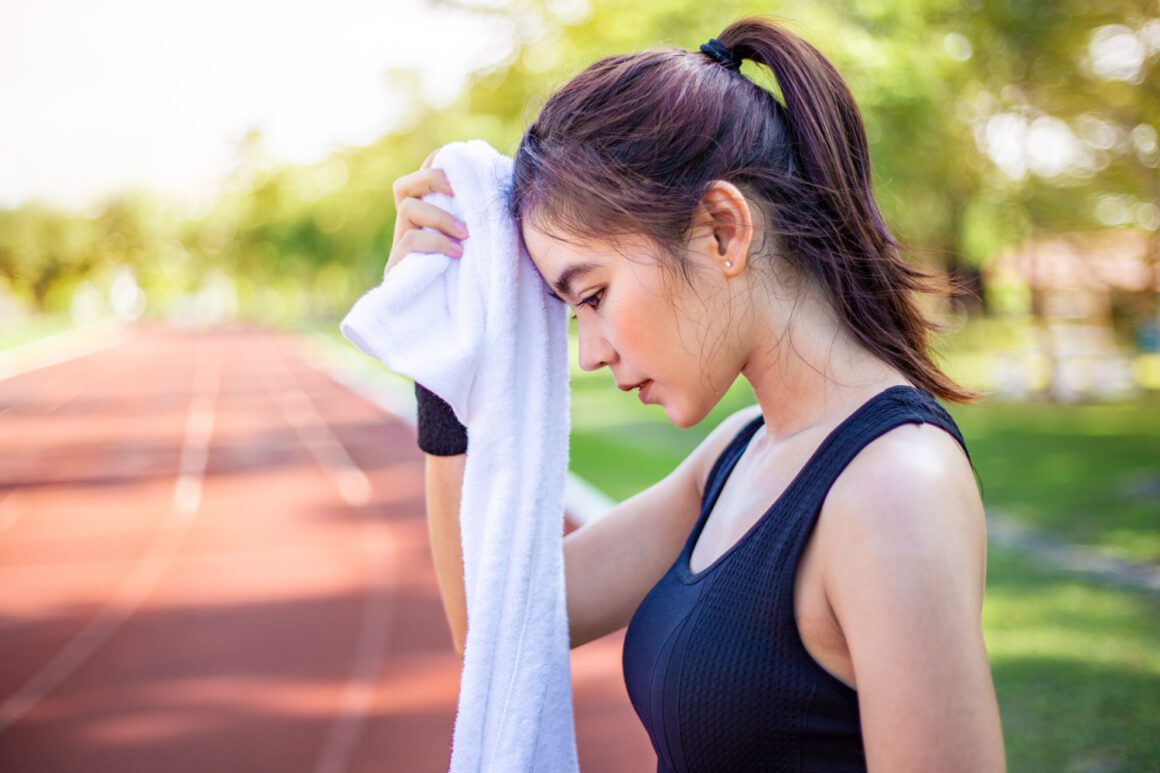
[904,575]
[611,563]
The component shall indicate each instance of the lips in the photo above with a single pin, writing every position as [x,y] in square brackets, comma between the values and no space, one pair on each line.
[630,387]
[643,385]
[644,391]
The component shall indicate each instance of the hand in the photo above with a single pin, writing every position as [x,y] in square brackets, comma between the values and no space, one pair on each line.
[412,214]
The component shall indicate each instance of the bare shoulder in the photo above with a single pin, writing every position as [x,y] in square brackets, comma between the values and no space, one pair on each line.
[908,459]
[903,570]
[909,492]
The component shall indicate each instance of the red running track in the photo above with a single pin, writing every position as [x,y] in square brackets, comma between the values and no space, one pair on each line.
[213,557]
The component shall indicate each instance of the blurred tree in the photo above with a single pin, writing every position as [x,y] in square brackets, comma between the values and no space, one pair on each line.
[989,121]
[41,247]
[1068,113]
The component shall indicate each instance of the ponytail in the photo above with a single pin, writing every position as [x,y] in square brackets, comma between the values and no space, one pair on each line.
[598,160]
[868,280]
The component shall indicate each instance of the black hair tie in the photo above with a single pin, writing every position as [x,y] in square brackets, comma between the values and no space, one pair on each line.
[721,54]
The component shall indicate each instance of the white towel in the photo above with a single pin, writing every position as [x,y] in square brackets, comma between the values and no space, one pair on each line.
[482,332]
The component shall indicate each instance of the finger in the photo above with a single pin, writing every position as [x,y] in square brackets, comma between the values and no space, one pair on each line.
[430,157]
[417,240]
[420,214]
[420,183]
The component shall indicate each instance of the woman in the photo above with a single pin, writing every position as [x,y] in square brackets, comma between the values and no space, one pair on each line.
[702,230]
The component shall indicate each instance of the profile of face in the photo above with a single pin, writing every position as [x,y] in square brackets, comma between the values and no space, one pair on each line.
[646,326]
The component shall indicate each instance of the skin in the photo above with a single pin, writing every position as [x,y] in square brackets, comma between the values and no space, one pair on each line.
[889,590]
[693,343]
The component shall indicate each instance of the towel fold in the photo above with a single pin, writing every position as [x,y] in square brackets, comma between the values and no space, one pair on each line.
[482,332]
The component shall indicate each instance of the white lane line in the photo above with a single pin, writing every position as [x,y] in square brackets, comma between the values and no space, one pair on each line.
[370,649]
[9,516]
[71,394]
[351,482]
[68,345]
[198,433]
[354,488]
[583,502]
[149,569]
[48,383]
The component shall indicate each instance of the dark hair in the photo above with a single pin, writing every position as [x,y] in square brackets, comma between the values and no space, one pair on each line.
[630,145]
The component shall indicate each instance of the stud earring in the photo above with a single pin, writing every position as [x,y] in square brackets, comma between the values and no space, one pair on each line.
[728,264]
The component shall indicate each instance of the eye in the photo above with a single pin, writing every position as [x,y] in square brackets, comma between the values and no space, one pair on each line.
[592,300]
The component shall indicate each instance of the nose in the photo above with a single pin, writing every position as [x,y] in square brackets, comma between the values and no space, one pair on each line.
[595,351]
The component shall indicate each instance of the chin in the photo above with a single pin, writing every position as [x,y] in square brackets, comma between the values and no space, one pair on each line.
[684,417]
[678,418]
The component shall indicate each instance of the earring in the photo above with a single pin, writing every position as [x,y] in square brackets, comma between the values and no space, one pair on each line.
[728,264]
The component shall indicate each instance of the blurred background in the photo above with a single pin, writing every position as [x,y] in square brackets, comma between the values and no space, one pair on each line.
[212,546]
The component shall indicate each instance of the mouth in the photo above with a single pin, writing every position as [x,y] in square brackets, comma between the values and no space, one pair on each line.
[645,386]
[630,387]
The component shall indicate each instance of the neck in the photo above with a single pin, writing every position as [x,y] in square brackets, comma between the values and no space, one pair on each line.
[808,371]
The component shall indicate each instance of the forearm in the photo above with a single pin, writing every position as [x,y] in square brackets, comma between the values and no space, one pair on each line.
[444,482]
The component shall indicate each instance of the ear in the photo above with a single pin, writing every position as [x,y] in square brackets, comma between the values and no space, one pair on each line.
[724,217]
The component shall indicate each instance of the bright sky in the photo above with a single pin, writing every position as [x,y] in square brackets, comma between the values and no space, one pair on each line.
[100,95]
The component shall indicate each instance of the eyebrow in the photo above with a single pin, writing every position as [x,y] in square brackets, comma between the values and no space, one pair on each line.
[563,285]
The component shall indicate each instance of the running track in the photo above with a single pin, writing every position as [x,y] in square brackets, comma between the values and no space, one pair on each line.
[213,557]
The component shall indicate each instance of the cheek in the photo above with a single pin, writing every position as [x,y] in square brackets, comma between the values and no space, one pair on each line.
[646,333]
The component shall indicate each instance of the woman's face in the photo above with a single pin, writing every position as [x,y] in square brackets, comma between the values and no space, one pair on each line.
[630,321]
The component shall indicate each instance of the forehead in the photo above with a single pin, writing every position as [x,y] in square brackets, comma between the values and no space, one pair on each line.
[562,263]
[548,251]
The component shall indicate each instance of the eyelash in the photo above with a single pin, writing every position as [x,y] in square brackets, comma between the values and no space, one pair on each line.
[585,302]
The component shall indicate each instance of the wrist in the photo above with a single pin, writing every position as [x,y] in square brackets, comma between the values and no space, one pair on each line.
[440,433]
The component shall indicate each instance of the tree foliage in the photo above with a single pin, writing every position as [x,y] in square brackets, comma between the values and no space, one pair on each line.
[989,121]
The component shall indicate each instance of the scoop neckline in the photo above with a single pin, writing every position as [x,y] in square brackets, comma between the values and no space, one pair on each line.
[684,572]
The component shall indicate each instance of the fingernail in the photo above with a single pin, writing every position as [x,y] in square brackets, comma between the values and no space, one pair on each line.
[461,229]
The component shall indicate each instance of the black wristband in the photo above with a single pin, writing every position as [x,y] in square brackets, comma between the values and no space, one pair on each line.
[440,433]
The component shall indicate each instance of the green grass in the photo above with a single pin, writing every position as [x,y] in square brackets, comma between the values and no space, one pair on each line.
[15,332]
[1076,669]
[1076,664]
[623,446]
[1085,473]
[1088,474]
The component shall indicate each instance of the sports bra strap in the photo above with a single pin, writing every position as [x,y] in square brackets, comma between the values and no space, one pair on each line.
[896,405]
